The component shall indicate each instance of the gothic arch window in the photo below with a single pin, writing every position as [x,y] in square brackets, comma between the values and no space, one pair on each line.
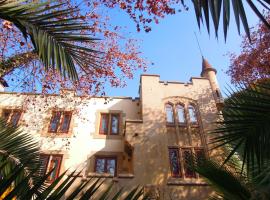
[181,117]
[192,114]
[169,113]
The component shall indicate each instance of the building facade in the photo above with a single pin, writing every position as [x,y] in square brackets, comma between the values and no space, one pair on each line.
[147,141]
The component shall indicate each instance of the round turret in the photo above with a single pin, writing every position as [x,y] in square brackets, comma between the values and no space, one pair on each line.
[210,73]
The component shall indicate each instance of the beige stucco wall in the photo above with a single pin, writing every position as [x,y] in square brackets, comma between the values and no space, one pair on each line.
[151,138]
[143,125]
[82,142]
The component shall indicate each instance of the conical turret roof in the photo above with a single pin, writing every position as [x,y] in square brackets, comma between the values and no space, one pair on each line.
[206,66]
[3,82]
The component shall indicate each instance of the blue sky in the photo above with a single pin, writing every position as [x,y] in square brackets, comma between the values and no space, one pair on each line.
[172,47]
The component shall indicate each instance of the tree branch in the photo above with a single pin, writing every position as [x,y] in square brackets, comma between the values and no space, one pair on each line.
[16,61]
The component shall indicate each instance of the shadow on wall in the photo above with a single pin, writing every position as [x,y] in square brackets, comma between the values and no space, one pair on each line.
[150,141]
[149,163]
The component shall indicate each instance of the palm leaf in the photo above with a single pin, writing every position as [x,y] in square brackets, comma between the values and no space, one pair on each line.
[215,7]
[19,148]
[52,30]
[58,189]
[246,127]
[225,183]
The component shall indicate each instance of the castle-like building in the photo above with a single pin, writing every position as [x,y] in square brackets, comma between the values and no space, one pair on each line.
[147,141]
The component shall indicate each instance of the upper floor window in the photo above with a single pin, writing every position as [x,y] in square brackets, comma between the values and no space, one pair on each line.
[109,124]
[51,162]
[12,116]
[169,114]
[60,122]
[192,114]
[180,109]
[106,165]
[177,114]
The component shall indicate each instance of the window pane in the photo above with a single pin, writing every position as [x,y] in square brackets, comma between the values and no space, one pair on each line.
[100,165]
[55,121]
[44,160]
[15,117]
[174,162]
[104,124]
[6,114]
[192,114]
[65,122]
[199,155]
[169,113]
[111,166]
[181,114]
[188,163]
[114,124]
[55,165]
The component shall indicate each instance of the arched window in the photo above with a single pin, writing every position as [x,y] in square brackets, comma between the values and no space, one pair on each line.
[192,114]
[180,114]
[169,114]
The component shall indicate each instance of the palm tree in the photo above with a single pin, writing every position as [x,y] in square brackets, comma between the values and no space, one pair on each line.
[20,167]
[245,134]
[205,8]
[57,36]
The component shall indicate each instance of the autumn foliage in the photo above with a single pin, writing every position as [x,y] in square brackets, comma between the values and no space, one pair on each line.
[146,12]
[253,62]
[121,56]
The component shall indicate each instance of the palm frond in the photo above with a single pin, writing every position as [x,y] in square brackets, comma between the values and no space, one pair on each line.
[225,183]
[57,36]
[261,183]
[18,148]
[204,7]
[246,127]
[20,177]
[93,188]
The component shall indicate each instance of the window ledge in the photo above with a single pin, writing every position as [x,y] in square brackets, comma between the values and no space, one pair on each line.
[114,137]
[97,175]
[57,135]
[170,124]
[184,125]
[181,181]
[194,125]
[119,176]
[125,175]
[134,121]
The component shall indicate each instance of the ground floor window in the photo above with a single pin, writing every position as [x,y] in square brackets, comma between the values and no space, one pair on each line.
[106,165]
[51,162]
[182,160]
